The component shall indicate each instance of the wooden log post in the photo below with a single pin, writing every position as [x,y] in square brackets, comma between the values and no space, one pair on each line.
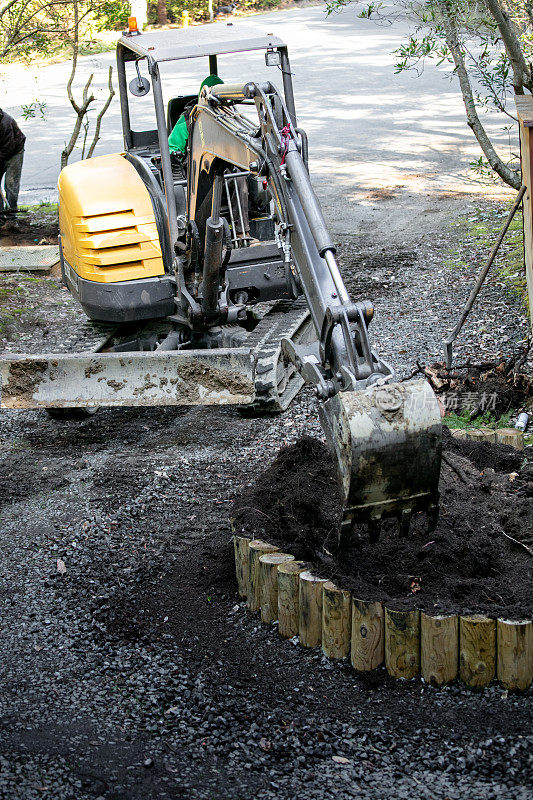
[242,562]
[288,597]
[368,635]
[515,654]
[510,436]
[268,584]
[310,609]
[402,643]
[475,434]
[256,548]
[336,621]
[477,650]
[439,648]
[490,434]
[458,433]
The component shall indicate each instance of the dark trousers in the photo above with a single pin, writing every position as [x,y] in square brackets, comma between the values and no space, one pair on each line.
[13,171]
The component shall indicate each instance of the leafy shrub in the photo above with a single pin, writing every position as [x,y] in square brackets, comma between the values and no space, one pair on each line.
[112,15]
[199,10]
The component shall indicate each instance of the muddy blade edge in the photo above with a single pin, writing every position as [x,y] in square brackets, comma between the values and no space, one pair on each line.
[387,443]
[205,377]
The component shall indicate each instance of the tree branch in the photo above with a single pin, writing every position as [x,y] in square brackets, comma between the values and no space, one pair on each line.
[101,114]
[521,73]
[510,176]
[75,48]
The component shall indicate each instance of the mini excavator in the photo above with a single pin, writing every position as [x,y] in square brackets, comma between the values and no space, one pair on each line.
[184,311]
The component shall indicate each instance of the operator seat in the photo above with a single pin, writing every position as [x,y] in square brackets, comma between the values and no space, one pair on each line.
[175,108]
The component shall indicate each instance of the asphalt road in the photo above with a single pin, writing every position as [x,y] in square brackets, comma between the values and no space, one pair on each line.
[369,129]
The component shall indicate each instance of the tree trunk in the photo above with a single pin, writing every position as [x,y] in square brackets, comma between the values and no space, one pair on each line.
[521,74]
[508,175]
[162,18]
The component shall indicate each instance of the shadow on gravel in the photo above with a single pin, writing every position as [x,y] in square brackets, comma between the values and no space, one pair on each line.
[373,272]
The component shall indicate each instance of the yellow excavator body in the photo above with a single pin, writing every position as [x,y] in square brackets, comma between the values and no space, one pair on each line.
[107,222]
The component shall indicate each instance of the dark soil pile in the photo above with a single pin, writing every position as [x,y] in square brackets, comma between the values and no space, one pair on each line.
[466,565]
[298,495]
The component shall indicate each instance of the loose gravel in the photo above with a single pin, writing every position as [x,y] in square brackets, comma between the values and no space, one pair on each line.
[129,667]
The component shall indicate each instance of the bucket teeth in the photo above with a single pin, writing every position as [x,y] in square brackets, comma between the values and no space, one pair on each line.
[374,529]
[432,517]
[405,521]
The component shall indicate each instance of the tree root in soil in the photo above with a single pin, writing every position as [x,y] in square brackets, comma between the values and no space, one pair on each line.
[498,387]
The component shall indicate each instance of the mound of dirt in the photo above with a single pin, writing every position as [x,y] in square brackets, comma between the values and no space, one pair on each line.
[296,499]
[466,565]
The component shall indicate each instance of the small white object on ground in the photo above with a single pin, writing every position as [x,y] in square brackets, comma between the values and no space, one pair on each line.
[522,421]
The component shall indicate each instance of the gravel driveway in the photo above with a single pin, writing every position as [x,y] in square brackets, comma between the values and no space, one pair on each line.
[128,668]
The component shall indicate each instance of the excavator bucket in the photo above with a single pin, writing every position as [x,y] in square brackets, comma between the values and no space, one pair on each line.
[387,444]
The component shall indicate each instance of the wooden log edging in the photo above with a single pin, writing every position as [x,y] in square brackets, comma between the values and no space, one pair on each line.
[477,650]
[368,635]
[336,621]
[438,647]
[310,609]
[510,436]
[256,549]
[402,643]
[288,597]
[268,583]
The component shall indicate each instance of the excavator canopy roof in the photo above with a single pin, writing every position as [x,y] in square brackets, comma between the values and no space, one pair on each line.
[201,40]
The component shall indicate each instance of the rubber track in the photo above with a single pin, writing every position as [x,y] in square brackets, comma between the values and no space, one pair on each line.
[288,319]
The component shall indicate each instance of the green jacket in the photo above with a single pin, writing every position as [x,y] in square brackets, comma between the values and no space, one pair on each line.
[177,141]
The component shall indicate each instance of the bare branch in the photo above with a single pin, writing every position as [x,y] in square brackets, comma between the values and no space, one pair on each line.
[82,108]
[75,48]
[101,114]
[521,73]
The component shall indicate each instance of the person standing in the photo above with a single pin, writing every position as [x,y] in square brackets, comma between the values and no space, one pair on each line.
[11,157]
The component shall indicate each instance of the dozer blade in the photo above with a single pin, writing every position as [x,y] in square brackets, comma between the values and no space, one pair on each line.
[387,443]
[188,377]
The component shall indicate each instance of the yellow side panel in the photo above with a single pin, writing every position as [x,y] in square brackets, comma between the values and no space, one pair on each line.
[107,223]
[143,233]
[119,255]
